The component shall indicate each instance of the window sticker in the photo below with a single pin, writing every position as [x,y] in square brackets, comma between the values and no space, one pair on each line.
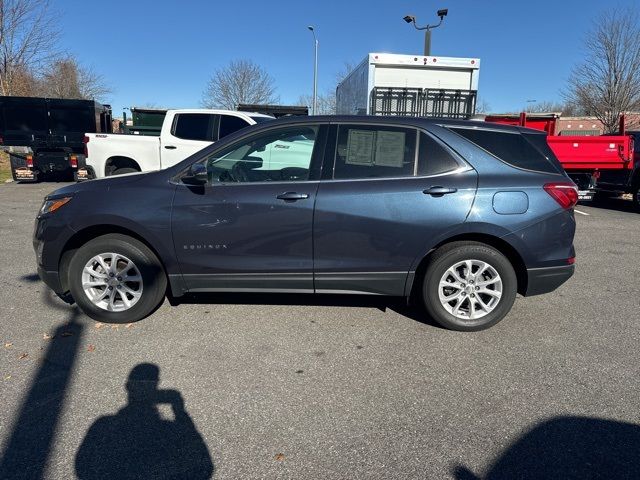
[390,149]
[360,147]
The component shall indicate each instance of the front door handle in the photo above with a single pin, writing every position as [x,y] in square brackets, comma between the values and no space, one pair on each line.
[170,147]
[292,196]
[439,191]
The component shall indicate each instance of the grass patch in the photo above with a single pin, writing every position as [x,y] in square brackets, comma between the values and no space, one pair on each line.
[5,167]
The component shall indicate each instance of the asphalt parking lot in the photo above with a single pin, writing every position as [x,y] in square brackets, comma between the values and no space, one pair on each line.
[267,386]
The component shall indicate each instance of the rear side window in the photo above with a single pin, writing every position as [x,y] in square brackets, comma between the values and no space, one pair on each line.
[230,124]
[513,148]
[193,126]
[374,152]
[434,158]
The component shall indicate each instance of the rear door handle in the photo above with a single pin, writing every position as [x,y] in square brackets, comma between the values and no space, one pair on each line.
[292,196]
[170,147]
[439,191]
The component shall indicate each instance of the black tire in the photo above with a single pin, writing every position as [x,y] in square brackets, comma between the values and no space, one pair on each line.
[154,279]
[122,171]
[455,252]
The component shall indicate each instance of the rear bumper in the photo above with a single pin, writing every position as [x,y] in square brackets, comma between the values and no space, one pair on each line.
[547,279]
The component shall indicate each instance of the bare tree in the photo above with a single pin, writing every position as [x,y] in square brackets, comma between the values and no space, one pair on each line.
[242,81]
[65,78]
[326,103]
[607,83]
[28,37]
[482,106]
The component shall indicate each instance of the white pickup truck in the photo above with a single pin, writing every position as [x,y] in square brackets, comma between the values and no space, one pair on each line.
[183,133]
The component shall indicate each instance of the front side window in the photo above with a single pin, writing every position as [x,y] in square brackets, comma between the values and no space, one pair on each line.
[274,156]
[193,126]
[365,151]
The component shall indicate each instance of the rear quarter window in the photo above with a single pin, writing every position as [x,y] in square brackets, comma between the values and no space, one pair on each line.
[526,151]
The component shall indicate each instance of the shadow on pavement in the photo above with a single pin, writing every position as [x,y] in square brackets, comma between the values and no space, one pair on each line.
[614,203]
[399,305]
[29,443]
[138,443]
[568,448]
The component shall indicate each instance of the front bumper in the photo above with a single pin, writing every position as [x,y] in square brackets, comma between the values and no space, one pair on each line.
[547,279]
[51,279]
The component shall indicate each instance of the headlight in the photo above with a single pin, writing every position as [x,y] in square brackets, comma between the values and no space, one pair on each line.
[50,206]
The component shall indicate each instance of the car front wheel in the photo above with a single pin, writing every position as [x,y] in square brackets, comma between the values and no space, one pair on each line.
[469,286]
[116,279]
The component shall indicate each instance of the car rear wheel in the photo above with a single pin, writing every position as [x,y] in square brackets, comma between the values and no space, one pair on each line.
[469,286]
[116,279]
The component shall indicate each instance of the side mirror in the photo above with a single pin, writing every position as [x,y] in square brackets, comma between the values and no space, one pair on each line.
[197,175]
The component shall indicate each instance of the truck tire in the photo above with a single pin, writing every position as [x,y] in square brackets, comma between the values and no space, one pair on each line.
[116,279]
[478,278]
[636,197]
[122,171]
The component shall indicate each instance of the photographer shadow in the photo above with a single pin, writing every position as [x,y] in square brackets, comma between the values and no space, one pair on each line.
[137,442]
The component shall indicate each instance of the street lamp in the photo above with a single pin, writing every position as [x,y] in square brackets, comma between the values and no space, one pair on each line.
[315,71]
[427,34]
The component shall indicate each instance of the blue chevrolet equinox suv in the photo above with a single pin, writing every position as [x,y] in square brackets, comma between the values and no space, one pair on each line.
[460,215]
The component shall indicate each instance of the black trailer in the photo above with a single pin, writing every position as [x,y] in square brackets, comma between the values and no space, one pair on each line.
[52,130]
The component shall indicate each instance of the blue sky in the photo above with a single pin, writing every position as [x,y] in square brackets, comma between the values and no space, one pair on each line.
[163,52]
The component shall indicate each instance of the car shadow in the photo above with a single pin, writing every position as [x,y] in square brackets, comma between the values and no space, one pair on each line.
[137,442]
[568,448]
[412,309]
[618,204]
[32,436]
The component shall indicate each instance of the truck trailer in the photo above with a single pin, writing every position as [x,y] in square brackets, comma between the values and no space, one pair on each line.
[51,131]
[415,85]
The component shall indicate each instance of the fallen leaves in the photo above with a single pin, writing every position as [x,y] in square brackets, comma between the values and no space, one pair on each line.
[46,336]
[91,348]
[99,325]
[66,334]
[7,377]
[23,355]
[129,325]
[8,344]
[279,457]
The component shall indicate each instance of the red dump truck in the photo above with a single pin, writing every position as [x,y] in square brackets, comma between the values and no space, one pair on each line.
[599,165]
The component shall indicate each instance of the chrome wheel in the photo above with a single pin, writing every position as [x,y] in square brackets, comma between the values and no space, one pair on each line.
[470,289]
[112,282]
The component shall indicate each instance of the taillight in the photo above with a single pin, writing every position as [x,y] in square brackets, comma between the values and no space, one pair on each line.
[566,194]
[73,161]
[571,260]
[85,140]
[29,161]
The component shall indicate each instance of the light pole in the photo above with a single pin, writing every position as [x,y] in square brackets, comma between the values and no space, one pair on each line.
[315,71]
[427,34]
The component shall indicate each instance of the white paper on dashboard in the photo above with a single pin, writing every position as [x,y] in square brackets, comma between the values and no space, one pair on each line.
[390,149]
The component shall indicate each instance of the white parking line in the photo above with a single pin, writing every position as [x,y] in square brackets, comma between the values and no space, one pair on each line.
[581,213]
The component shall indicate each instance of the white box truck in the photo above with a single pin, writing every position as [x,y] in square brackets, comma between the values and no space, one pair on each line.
[392,84]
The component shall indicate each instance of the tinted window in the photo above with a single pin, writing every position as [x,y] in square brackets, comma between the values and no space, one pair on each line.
[374,152]
[192,126]
[65,119]
[512,148]
[434,158]
[274,156]
[230,124]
